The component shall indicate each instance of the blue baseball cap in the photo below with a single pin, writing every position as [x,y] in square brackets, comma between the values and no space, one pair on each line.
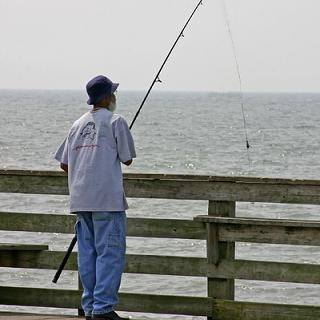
[100,87]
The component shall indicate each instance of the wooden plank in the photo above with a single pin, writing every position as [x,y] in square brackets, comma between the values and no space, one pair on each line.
[272,231]
[33,182]
[270,234]
[37,260]
[176,187]
[222,191]
[162,176]
[213,249]
[197,306]
[37,222]
[169,228]
[243,310]
[24,247]
[168,265]
[165,228]
[168,304]
[221,288]
[32,316]
[235,179]
[266,271]
[259,221]
[149,264]
[183,266]
[136,227]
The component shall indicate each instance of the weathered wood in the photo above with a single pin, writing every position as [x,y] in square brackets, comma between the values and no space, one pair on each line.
[213,243]
[165,228]
[243,310]
[220,267]
[171,228]
[158,176]
[266,271]
[37,222]
[37,260]
[24,247]
[222,191]
[176,187]
[149,264]
[32,316]
[270,234]
[216,251]
[183,266]
[136,227]
[196,306]
[277,231]
[259,221]
[33,182]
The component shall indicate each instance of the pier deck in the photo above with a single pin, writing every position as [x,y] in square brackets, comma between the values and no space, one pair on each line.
[30,316]
[20,316]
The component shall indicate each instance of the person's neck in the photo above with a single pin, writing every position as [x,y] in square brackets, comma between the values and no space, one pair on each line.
[96,108]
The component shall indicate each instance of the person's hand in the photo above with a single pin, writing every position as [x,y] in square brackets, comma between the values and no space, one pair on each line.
[64,167]
[127,163]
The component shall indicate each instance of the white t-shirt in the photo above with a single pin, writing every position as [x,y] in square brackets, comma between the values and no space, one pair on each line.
[96,144]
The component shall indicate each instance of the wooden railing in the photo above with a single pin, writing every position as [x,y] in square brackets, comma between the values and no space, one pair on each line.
[219,227]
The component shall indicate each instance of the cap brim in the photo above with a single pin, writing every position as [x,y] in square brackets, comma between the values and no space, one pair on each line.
[114,87]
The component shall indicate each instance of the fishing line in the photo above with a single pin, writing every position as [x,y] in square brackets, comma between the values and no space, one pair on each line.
[157,77]
[239,78]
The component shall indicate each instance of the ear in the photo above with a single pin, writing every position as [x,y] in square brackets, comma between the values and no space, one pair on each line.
[113,97]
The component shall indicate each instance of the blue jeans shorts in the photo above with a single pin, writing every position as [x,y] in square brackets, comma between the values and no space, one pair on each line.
[101,239]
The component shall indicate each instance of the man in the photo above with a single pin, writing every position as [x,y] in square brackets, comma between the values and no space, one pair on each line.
[92,153]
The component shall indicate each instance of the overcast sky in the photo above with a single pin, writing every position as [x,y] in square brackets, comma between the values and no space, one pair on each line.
[63,43]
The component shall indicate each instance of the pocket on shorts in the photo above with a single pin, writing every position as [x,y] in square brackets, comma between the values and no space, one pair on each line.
[117,241]
[114,240]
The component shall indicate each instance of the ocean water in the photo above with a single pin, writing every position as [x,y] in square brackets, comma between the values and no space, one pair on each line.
[176,132]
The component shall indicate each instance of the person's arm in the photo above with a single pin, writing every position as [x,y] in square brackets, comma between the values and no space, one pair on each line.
[64,167]
[124,140]
[61,155]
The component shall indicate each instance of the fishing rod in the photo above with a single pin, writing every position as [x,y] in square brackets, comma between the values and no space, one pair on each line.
[65,259]
[156,79]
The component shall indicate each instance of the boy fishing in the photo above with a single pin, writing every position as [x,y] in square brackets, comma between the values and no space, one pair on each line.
[92,153]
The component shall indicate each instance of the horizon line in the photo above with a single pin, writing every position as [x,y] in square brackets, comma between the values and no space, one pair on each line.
[169,91]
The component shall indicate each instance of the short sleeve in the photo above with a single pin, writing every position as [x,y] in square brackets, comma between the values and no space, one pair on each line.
[124,140]
[61,154]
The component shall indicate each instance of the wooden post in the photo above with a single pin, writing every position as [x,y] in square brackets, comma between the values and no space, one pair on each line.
[217,287]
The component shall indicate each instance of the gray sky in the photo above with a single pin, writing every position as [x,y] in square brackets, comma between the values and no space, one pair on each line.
[63,43]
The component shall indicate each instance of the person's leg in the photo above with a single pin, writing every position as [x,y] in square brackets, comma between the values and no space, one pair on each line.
[110,242]
[86,259]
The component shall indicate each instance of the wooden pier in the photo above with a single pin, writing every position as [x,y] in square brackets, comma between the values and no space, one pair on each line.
[220,227]
[17,316]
